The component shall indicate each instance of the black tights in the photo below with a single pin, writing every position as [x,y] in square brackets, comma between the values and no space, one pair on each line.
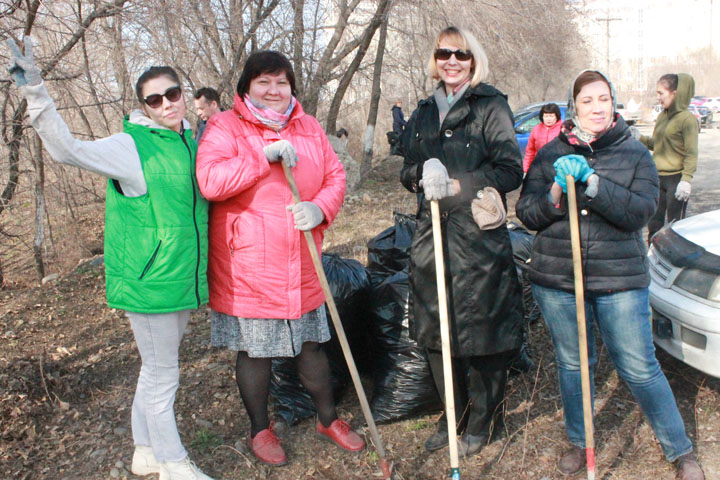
[253,379]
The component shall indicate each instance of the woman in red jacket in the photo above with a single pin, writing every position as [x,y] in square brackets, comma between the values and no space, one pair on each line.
[265,297]
[546,130]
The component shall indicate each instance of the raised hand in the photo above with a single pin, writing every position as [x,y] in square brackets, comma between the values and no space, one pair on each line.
[22,68]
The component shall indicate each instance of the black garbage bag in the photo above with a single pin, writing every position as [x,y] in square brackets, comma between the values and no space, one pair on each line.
[350,286]
[389,251]
[522,243]
[403,382]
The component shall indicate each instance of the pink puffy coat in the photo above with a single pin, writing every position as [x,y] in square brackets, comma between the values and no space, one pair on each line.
[258,263]
[540,135]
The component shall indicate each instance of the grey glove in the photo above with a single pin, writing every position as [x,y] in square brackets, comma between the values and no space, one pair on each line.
[682,192]
[22,67]
[281,150]
[435,181]
[635,133]
[307,215]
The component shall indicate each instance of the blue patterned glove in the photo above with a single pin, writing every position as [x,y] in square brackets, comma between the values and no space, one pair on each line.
[574,165]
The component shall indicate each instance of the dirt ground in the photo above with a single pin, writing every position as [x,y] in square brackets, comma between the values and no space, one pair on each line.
[68,367]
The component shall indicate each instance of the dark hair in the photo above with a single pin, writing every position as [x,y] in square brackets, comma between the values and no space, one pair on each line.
[210,94]
[550,108]
[669,81]
[342,132]
[586,77]
[152,73]
[266,61]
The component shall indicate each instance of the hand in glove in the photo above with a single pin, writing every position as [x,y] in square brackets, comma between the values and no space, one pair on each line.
[281,150]
[682,192]
[307,215]
[635,133]
[574,165]
[435,181]
[22,67]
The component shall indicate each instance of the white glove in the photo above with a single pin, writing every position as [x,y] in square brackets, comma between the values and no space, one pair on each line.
[22,68]
[435,181]
[682,192]
[307,215]
[281,150]
[635,133]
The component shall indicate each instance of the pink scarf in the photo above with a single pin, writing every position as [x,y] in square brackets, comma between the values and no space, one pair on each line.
[268,116]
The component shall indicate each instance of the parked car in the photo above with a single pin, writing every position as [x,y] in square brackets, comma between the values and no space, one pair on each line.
[703,114]
[685,290]
[527,117]
[698,100]
[631,114]
[713,103]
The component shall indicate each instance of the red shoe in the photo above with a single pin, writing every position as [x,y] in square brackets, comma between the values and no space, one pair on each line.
[266,447]
[341,433]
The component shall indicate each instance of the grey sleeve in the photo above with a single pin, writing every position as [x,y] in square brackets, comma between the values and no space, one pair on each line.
[114,157]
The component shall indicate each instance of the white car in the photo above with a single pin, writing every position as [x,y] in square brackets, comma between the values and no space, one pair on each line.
[685,290]
[630,113]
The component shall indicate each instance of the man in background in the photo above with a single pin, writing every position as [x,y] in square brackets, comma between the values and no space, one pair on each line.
[207,104]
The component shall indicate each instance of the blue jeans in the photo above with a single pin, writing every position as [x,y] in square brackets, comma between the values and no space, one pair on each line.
[623,320]
[158,339]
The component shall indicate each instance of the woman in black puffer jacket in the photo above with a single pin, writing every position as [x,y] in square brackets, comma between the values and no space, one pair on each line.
[617,194]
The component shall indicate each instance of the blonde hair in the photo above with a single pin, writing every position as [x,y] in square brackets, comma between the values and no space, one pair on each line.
[464,40]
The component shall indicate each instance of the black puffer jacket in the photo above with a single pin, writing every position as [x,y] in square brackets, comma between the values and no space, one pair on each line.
[611,223]
[476,142]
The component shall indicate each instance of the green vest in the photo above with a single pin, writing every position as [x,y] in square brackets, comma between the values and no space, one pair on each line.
[156,244]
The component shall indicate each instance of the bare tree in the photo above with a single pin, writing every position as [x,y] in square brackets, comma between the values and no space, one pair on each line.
[367,36]
[368,142]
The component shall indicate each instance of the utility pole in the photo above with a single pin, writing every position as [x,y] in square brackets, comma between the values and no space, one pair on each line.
[607,19]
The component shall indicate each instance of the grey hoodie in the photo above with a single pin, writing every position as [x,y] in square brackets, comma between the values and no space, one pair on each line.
[114,157]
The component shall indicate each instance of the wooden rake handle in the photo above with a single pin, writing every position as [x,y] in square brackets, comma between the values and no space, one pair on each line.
[581,326]
[445,340]
[317,263]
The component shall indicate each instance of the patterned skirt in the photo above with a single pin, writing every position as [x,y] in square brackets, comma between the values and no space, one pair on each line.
[268,337]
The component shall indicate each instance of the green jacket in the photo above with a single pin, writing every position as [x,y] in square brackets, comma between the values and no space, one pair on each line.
[156,244]
[675,139]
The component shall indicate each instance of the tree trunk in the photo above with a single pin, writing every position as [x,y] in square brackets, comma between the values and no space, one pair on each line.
[377,20]
[366,162]
[39,208]
[299,37]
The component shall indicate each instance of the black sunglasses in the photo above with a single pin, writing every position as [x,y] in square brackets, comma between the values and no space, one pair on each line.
[156,99]
[445,54]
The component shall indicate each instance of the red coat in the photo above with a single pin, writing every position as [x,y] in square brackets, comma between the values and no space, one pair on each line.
[258,263]
[540,135]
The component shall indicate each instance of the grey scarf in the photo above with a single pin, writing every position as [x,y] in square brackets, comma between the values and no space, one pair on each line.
[442,100]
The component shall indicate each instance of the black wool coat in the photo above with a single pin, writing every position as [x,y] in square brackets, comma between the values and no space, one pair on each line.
[613,248]
[476,143]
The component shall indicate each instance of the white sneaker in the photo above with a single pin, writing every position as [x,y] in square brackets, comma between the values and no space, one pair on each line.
[143,461]
[182,470]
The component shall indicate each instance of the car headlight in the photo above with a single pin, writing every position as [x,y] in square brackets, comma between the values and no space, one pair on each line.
[699,282]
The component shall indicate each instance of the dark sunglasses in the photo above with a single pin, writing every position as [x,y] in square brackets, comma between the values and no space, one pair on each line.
[445,54]
[156,99]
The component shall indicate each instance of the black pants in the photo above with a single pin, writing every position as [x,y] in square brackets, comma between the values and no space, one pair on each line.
[479,389]
[668,205]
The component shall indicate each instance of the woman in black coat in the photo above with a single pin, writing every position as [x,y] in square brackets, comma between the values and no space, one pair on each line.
[458,141]
[617,193]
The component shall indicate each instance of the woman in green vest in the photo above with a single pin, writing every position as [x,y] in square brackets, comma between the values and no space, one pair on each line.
[155,240]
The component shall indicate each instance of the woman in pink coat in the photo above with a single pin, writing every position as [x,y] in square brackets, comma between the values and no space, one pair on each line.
[543,132]
[265,297]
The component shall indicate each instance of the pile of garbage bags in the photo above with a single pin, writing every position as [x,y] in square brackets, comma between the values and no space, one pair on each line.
[373,306]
